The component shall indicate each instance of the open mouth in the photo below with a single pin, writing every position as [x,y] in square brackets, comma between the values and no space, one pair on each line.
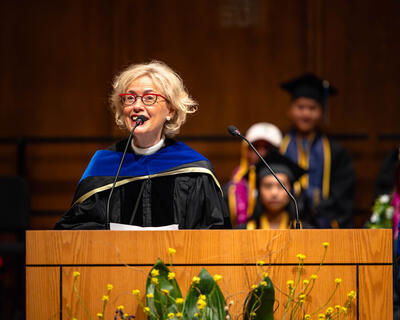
[134,118]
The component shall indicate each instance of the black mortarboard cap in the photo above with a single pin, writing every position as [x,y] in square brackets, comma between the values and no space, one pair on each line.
[279,164]
[309,86]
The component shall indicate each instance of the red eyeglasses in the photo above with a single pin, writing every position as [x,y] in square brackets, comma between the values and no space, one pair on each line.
[148,99]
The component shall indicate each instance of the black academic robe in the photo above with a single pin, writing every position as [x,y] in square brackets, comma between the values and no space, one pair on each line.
[385,181]
[339,205]
[335,210]
[187,194]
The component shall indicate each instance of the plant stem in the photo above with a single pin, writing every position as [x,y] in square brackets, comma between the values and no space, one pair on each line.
[80,300]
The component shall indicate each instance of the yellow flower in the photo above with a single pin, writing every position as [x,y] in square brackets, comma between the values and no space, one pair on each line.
[314,277]
[344,309]
[265,274]
[217,277]
[179,301]
[126,315]
[165,291]
[171,275]
[202,297]
[150,295]
[338,280]
[290,284]
[302,296]
[321,316]
[171,251]
[100,315]
[155,273]
[261,262]
[146,310]
[306,282]
[171,315]
[120,308]
[76,274]
[352,294]
[300,256]
[196,315]
[252,314]
[154,280]
[105,298]
[109,287]
[337,307]
[136,292]
[329,311]
[179,315]
[254,286]
[196,280]
[325,244]
[263,283]
[307,317]
[201,304]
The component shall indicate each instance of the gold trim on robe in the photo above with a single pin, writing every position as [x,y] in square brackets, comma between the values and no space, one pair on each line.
[163,174]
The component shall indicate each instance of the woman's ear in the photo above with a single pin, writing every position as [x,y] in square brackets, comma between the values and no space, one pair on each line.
[171,113]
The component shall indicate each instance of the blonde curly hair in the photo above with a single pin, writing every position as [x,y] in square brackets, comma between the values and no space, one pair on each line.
[167,81]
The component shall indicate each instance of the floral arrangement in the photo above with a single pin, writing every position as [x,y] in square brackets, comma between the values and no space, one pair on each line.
[382,213]
[204,300]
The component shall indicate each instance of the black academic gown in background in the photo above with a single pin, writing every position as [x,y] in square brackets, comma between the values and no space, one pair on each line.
[385,180]
[337,209]
[188,195]
[339,205]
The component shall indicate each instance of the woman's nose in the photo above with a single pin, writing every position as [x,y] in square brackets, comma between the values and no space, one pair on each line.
[138,105]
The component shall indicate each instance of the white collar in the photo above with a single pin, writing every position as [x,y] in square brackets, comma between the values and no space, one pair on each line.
[150,150]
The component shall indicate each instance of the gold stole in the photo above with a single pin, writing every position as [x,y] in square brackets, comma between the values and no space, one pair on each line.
[303,159]
[264,222]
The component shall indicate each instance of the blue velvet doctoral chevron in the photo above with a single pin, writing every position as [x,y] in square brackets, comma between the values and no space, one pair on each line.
[106,162]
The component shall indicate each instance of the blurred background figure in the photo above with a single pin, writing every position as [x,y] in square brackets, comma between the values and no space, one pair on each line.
[240,192]
[329,183]
[386,209]
[274,209]
[385,181]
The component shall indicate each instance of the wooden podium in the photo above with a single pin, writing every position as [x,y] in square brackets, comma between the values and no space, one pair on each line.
[361,258]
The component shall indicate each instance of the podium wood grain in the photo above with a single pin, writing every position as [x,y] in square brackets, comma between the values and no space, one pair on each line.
[102,257]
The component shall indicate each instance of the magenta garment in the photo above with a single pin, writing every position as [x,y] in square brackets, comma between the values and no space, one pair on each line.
[242,199]
[396,214]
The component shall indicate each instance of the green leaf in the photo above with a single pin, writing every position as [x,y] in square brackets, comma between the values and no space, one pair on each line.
[215,308]
[162,304]
[260,302]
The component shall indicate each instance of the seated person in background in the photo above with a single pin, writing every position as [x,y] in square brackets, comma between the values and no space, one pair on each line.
[240,192]
[385,179]
[162,181]
[329,183]
[274,208]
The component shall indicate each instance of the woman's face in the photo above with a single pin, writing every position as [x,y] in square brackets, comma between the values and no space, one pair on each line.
[149,133]
[273,197]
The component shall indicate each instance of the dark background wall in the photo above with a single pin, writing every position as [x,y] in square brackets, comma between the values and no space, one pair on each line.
[58,59]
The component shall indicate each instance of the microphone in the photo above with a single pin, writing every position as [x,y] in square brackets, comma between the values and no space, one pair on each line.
[139,121]
[236,133]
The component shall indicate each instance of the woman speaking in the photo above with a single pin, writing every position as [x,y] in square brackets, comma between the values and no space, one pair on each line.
[161,181]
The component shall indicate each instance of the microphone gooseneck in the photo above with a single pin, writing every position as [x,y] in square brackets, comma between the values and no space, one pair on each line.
[139,121]
[236,133]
